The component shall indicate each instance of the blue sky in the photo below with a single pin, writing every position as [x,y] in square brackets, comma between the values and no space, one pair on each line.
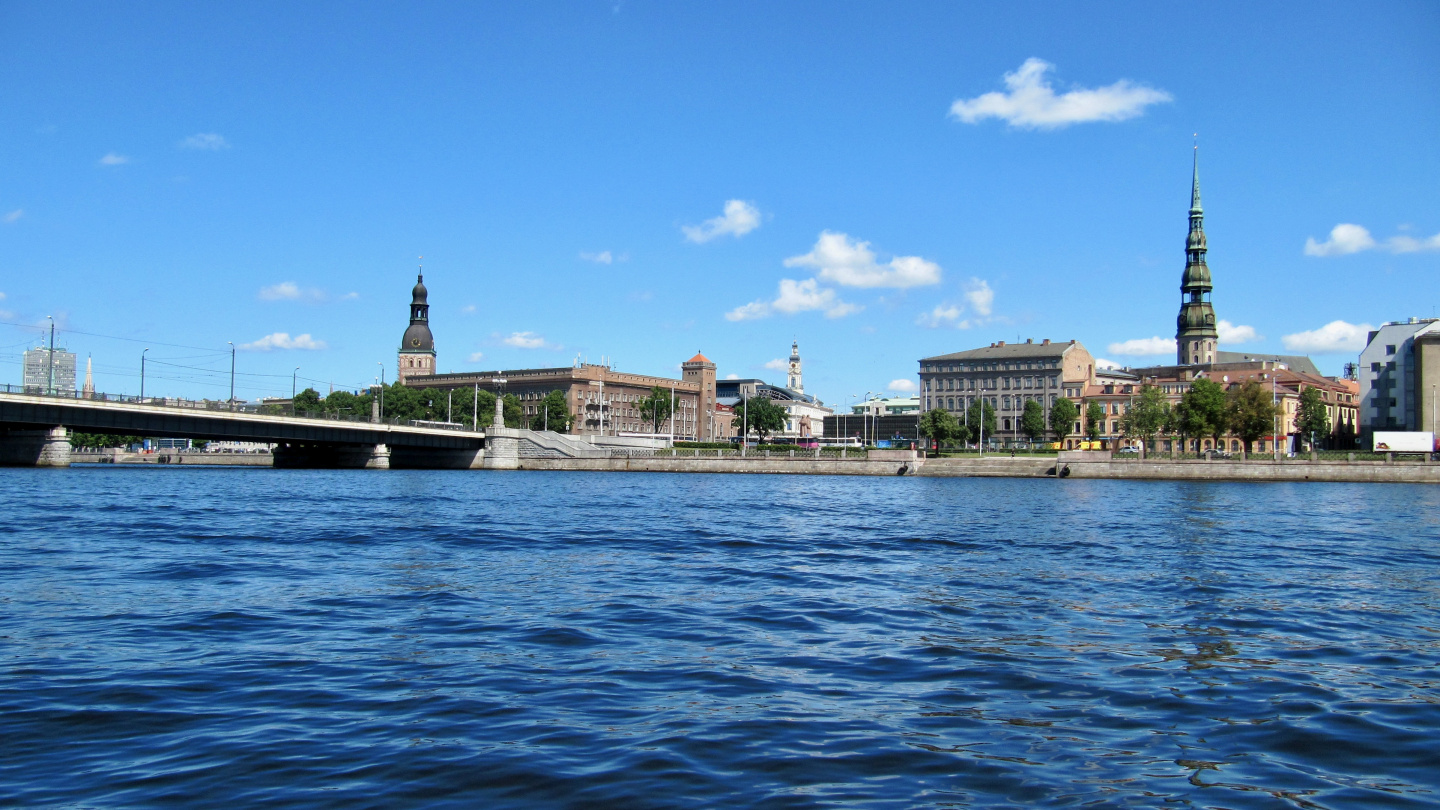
[641,180]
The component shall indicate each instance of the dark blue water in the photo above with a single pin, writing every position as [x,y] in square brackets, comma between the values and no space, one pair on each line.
[379,639]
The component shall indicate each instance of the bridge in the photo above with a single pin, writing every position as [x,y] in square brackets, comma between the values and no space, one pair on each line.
[34,432]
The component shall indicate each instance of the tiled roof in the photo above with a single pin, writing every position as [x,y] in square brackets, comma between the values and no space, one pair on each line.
[1007,351]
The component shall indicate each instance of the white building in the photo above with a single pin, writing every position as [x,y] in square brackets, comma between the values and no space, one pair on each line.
[1397,389]
[39,368]
[888,406]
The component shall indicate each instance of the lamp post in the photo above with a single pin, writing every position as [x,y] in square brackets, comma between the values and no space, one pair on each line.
[866,419]
[142,373]
[475,408]
[381,364]
[50,384]
[232,374]
[294,377]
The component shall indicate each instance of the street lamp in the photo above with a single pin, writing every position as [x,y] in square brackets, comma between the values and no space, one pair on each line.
[50,386]
[142,373]
[381,364]
[232,374]
[864,424]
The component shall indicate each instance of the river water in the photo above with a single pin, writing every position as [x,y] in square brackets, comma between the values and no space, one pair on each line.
[488,639]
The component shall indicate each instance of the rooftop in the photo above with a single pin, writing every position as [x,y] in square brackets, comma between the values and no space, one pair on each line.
[1005,351]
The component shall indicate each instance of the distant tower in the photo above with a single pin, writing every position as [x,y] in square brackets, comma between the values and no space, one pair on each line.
[793,381]
[701,371]
[1195,335]
[88,391]
[417,347]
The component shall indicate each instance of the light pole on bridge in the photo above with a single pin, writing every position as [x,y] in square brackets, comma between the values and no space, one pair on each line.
[142,373]
[232,374]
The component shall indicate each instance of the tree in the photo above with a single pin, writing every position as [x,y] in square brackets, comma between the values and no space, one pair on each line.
[1313,418]
[1032,420]
[657,407]
[1094,420]
[344,403]
[1146,416]
[1206,410]
[763,416]
[1062,418]
[940,426]
[980,409]
[513,412]
[307,402]
[102,440]
[1251,412]
[554,413]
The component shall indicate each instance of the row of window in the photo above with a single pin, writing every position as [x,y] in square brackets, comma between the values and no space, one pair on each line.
[992,383]
[989,365]
[1004,403]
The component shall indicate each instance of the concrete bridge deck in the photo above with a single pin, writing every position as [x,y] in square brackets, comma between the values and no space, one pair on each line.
[34,432]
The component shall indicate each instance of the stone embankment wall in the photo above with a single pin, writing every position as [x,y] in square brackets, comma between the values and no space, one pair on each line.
[1399,472]
[192,459]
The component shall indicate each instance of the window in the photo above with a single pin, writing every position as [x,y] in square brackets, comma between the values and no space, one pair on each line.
[1374,366]
[1390,366]
[1389,350]
[1007,423]
[1006,400]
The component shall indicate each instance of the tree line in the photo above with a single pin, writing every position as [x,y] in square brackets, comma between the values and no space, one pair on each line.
[460,405]
[1206,410]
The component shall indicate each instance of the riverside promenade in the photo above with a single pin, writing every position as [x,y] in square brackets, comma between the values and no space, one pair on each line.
[1018,467]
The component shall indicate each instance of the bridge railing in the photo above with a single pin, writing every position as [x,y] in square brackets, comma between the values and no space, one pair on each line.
[262,409]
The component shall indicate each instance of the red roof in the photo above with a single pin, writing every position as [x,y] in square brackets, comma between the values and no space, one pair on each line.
[698,358]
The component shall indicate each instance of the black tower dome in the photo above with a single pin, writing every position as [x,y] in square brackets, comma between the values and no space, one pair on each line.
[417,337]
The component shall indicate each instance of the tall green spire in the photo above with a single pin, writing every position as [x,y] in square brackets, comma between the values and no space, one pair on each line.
[1195,185]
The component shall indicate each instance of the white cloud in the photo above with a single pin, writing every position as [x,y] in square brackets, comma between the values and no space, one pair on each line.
[740,218]
[1344,238]
[1409,244]
[112,159]
[1101,362]
[1031,102]
[527,340]
[1336,337]
[795,296]
[777,365]
[980,296]
[732,376]
[1143,346]
[290,291]
[1347,238]
[468,309]
[284,291]
[942,315]
[749,312]
[475,357]
[906,386]
[282,340]
[13,216]
[205,141]
[852,264]
[1230,334]
[603,257]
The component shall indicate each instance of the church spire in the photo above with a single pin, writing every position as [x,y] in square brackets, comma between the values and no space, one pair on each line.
[1195,335]
[1195,186]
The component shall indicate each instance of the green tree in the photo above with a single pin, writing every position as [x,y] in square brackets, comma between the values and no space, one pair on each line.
[307,402]
[980,411]
[102,440]
[1146,416]
[1251,412]
[1094,420]
[554,413]
[656,407]
[1062,418]
[940,426]
[1032,420]
[513,412]
[1206,410]
[763,416]
[346,404]
[1312,420]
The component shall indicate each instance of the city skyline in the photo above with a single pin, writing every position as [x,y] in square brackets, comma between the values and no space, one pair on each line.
[641,182]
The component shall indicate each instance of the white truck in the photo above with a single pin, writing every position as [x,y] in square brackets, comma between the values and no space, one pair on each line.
[1396,441]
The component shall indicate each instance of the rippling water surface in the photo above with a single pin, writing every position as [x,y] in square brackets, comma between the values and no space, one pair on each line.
[476,639]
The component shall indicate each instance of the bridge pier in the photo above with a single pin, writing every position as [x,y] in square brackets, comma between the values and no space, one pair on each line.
[46,447]
[299,456]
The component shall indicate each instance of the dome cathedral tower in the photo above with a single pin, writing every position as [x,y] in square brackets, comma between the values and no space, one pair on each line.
[417,346]
[1195,334]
